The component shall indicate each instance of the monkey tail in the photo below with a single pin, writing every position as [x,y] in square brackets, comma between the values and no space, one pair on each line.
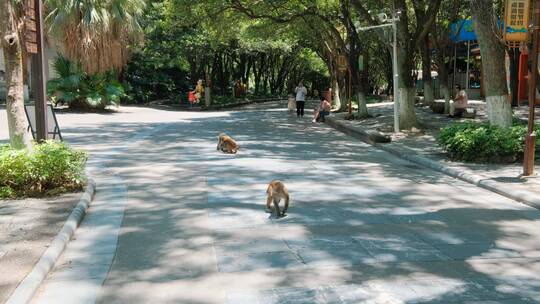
[269,189]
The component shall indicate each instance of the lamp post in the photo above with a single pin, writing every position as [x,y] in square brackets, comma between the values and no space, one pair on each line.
[391,22]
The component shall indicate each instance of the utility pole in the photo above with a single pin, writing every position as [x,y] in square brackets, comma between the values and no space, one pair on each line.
[386,22]
[530,140]
[396,76]
[39,72]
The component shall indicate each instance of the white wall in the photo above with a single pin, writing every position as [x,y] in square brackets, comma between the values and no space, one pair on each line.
[50,55]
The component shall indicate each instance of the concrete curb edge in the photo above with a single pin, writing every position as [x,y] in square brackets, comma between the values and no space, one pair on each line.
[371,138]
[27,288]
[218,107]
[523,196]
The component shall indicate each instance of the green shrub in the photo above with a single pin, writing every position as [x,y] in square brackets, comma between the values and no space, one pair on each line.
[52,167]
[148,79]
[225,100]
[82,91]
[483,142]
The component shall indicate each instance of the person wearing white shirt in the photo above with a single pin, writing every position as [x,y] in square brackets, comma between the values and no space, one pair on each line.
[301,93]
[460,102]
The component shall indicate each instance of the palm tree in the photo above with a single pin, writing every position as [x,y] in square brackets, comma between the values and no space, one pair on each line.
[98,34]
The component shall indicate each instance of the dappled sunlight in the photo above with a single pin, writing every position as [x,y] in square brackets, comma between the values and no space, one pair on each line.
[361,222]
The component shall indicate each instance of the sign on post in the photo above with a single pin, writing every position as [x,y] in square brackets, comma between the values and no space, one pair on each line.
[30,28]
[35,45]
[342,63]
[516,21]
[53,129]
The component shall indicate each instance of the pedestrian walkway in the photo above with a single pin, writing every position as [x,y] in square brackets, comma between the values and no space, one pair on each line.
[363,226]
[424,144]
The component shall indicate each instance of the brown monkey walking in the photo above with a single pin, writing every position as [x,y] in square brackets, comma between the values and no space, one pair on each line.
[276,192]
[226,144]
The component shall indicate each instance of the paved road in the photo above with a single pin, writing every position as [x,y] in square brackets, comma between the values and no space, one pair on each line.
[363,226]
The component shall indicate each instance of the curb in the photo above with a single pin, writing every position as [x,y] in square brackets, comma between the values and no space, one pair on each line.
[240,104]
[371,137]
[523,196]
[26,289]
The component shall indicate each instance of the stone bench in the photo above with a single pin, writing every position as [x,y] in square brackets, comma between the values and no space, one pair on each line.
[470,112]
[438,107]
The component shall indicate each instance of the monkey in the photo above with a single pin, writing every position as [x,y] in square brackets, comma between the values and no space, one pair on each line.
[220,140]
[276,192]
[226,144]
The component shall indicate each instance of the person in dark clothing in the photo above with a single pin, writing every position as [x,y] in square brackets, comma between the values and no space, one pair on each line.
[301,92]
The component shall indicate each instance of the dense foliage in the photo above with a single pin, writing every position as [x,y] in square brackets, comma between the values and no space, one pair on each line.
[98,34]
[483,142]
[51,168]
[186,41]
[81,90]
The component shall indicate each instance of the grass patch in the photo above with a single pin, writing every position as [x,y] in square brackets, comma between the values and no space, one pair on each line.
[50,169]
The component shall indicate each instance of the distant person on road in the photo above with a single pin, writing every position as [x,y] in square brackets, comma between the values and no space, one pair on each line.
[460,102]
[199,90]
[291,103]
[191,96]
[301,92]
[322,110]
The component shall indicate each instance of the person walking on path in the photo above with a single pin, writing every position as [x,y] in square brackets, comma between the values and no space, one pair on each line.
[301,93]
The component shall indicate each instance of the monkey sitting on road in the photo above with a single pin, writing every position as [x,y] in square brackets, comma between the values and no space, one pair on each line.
[276,192]
[226,144]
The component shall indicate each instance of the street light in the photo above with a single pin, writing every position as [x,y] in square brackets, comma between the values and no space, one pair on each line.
[390,22]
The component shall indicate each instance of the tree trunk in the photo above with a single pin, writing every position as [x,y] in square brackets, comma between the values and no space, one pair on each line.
[429,96]
[360,83]
[336,91]
[492,52]
[343,92]
[406,91]
[12,49]
[499,111]
[514,75]
[446,93]
[407,116]
[429,93]
[405,66]
[362,104]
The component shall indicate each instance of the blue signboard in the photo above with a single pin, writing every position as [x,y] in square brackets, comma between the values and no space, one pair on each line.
[462,31]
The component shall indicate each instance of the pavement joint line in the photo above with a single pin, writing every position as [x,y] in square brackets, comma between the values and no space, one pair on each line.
[99,164]
[27,288]
[526,197]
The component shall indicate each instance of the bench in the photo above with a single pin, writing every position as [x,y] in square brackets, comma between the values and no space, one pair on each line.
[438,107]
[470,112]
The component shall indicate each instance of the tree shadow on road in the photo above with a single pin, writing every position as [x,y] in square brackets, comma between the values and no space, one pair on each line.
[363,225]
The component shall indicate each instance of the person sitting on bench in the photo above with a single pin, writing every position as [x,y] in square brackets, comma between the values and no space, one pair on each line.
[322,111]
[460,102]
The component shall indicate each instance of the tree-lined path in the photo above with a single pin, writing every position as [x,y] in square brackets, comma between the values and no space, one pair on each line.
[363,226]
